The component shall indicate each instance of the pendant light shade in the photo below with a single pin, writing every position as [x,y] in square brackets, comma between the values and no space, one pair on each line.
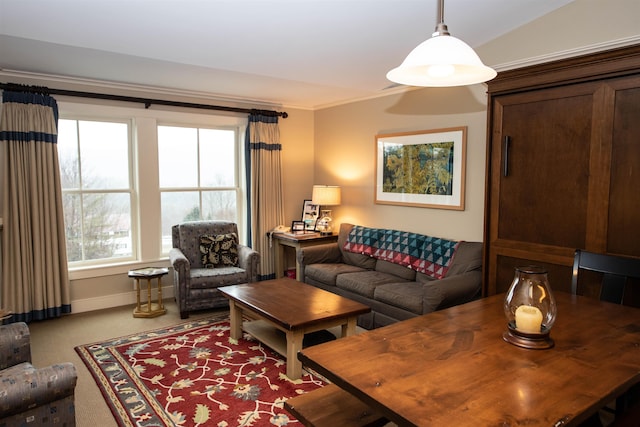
[440,61]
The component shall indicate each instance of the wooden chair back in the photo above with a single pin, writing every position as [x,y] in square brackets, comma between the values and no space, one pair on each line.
[615,270]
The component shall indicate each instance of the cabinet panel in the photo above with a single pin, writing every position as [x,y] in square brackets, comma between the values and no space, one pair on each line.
[559,276]
[543,184]
[563,166]
[624,200]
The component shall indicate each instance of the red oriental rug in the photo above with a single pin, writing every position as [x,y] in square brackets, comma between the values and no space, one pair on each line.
[193,374]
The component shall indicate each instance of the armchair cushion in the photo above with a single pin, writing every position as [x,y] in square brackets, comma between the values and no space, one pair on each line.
[220,250]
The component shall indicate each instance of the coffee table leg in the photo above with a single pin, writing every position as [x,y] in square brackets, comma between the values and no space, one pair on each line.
[349,328]
[235,315]
[294,345]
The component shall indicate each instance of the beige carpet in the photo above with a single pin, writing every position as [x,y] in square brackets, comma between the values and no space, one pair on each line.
[53,341]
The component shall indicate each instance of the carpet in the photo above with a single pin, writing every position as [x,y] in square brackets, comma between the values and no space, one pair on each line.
[193,374]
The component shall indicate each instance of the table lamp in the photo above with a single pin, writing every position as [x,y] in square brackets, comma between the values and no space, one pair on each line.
[530,309]
[325,195]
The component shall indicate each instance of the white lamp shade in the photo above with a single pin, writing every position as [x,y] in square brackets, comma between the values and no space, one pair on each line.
[441,61]
[326,195]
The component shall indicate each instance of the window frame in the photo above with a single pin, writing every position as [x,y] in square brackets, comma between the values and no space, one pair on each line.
[239,188]
[144,156]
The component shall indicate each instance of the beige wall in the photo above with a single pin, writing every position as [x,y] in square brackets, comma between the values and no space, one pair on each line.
[345,156]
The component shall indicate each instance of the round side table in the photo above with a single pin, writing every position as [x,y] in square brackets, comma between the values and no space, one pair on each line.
[150,309]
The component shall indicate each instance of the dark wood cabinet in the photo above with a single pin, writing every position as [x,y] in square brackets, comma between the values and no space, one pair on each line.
[563,165]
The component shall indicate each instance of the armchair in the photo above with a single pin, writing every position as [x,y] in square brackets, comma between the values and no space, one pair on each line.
[204,258]
[28,395]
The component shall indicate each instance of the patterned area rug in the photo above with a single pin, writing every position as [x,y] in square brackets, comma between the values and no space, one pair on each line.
[193,374]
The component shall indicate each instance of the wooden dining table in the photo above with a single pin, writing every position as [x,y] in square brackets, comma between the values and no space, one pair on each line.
[453,368]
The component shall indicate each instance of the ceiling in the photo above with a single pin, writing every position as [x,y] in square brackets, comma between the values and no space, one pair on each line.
[296,53]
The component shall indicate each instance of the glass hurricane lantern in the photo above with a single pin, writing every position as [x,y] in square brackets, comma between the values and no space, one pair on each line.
[530,309]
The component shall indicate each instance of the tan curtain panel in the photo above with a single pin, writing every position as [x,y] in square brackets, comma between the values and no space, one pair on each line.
[35,283]
[265,187]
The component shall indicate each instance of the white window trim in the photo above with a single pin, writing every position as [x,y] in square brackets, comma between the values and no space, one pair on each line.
[145,170]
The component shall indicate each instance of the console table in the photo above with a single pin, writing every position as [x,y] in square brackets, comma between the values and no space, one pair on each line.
[296,241]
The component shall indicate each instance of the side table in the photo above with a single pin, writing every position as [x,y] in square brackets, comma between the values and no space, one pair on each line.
[150,309]
[296,241]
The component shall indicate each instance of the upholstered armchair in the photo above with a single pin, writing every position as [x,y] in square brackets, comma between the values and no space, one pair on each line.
[205,256]
[29,395]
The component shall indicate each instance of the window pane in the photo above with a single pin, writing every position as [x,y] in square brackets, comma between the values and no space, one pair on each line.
[178,156]
[72,206]
[104,155]
[217,158]
[177,207]
[68,154]
[106,226]
[219,205]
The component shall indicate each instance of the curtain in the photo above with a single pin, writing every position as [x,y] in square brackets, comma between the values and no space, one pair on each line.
[264,186]
[35,282]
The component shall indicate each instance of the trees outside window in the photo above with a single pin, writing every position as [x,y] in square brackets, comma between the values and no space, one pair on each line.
[97,189]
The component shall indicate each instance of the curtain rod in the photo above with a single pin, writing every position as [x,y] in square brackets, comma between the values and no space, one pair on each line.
[146,101]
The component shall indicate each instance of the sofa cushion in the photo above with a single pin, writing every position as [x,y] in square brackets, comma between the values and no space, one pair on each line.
[397,270]
[220,250]
[468,257]
[364,282]
[359,260]
[405,295]
[328,272]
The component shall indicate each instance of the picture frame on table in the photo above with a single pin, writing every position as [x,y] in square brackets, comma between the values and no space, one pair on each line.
[422,168]
[310,214]
[297,227]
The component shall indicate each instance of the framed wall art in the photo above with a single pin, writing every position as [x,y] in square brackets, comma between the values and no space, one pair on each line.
[310,214]
[422,168]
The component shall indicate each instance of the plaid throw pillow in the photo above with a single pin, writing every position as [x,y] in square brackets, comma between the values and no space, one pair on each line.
[220,250]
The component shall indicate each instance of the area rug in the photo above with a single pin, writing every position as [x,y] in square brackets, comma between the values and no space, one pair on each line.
[193,374]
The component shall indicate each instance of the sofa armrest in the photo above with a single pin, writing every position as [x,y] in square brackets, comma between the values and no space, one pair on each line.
[249,261]
[325,253]
[15,346]
[319,254]
[32,387]
[450,291]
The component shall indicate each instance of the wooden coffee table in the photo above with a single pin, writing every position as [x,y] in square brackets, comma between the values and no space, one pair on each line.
[292,307]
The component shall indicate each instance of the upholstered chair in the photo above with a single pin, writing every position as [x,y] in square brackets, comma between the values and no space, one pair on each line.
[205,256]
[28,395]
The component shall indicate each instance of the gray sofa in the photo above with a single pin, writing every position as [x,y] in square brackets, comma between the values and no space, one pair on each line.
[394,292]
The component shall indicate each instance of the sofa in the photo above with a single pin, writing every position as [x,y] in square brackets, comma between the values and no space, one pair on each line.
[398,274]
[31,396]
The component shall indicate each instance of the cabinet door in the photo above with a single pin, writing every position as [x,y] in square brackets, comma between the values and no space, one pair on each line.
[623,219]
[539,178]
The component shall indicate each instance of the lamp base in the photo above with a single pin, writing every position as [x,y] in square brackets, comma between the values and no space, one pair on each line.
[518,338]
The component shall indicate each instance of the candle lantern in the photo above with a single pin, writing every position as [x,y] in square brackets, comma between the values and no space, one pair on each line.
[530,309]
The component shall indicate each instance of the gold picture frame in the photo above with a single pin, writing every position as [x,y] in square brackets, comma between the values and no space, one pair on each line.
[422,168]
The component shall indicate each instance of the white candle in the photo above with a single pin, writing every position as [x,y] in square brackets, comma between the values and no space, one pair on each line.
[528,319]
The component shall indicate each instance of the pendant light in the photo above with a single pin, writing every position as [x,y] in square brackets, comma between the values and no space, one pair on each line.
[440,61]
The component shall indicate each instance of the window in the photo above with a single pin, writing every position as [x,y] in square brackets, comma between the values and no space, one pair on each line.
[198,176]
[97,189]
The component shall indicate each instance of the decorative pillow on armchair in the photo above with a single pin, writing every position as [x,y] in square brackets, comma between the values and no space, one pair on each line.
[220,250]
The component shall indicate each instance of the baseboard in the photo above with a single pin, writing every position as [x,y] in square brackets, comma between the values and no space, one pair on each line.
[110,301]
